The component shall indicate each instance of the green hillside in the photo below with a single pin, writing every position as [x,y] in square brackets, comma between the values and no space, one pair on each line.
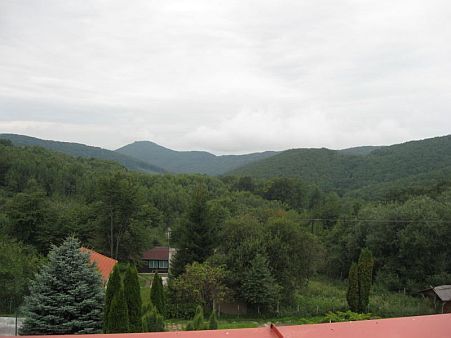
[189,161]
[81,150]
[331,169]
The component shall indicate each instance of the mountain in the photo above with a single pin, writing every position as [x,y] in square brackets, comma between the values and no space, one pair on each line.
[363,150]
[342,171]
[189,161]
[81,150]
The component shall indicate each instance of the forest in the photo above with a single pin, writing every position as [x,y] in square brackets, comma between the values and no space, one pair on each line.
[279,231]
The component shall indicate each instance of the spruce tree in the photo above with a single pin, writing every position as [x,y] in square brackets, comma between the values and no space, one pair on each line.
[66,296]
[365,273]
[113,287]
[117,321]
[133,298]
[352,295]
[212,321]
[157,297]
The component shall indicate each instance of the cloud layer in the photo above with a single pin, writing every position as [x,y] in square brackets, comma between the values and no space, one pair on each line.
[226,76]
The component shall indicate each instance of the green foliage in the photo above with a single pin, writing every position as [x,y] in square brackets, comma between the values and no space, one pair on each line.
[346,316]
[67,285]
[201,284]
[198,320]
[352,295]
[195,238]
[18,264]
[259,287]
[157,295]
[113,287]
[365,276]
[118,320]
[133,299]
[212,321]
[152,320]
[81,150]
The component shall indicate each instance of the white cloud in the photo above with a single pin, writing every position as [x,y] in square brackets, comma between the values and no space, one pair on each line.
[230,76]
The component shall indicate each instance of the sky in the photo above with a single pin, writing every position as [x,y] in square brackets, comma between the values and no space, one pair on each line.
[226,76]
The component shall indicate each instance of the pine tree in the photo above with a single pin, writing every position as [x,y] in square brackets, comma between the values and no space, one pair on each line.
[157,296]
[352,295]
[259,287]
[152,320]
[66,296]
[365,273]
[212,321]
[117,321]
[133,298]
[195,238]
[113,287]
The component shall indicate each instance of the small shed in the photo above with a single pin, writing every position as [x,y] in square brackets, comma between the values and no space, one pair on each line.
[441,295]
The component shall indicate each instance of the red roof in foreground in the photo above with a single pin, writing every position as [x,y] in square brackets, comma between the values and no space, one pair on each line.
[158,253]
[104,263]
[435,326]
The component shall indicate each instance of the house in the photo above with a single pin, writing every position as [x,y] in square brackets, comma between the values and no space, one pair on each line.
[441,295]
[158,260]
[435,326]
[104,263]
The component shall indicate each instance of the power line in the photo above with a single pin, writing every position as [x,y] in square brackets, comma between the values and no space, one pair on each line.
[375,220]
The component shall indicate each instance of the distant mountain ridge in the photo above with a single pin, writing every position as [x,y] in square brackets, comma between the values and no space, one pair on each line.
[189,161]
[82,150]
[345,170]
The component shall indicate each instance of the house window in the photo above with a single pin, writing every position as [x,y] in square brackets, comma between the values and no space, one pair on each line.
[163,264]
[153,264]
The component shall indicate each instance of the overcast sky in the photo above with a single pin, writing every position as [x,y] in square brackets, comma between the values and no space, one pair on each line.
[226,76]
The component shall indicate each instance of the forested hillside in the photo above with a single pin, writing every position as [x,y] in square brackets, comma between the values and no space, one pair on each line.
[81,150]
[283,230]
[342,172]
[189,161]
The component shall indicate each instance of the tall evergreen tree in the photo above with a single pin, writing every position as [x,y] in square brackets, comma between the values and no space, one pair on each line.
[133,298]
[259,287]
[365,273]
[157,297]
[66,296]
[113,287]
[117,321]
[195,237]
[352,295]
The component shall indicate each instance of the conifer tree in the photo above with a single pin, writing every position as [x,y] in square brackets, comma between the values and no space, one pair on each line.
[117,321]
[157,296]
[195,237]
[212,321]
[66,296]
[198,320]
[365,273]
[352,295]
[152,320]
[133,298]
[113,287]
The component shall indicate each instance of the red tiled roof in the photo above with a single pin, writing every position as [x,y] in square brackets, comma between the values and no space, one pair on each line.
[105,264]
[435,326]
[158,253]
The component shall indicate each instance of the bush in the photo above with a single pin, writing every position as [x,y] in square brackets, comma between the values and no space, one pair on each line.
[345,316]
[213,322]
[152,320]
